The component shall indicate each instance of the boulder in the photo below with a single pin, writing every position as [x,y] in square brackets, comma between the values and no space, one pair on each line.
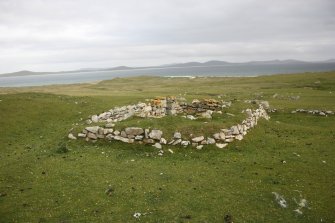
[163,141]
[235,130]
[198,139]
[92,129]
[176,142]
[229,140]
[91,135]
[123,134]
[71,136]
[149,141]
[134,131]
[81,135]
[139,137]
[109,125]
[222,136]
[95,118]
[177,135]
[200,146]
[191,117]
[210,140]
[221,145]
[185,143]
[239,137]
[206,115]
[122,139]
[156,134]
[157,145]
[109,137]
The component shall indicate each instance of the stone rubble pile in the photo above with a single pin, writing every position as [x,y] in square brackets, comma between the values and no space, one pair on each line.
[155,136]
[156,108]
[313,112]
[160,107]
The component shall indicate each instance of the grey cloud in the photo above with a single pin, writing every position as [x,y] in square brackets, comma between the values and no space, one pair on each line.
[59,35]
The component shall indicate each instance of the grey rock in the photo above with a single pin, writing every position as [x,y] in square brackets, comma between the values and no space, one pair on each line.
[177,135]
[91,135]
[123,134]
[176,142]
[81,135]
[221,145]
[139,137]
[156,134]
[93,129]
[109,137]
[163,141]
[116,132]
[198,139]
[149,141]
[222,136]
[109,125]
[200,147]
[185,143]
[71,136]
[216,136]
[229,140]
[210,140]
[122,139]
[146,133]
[134,131]
[239,137]
[157,145]
[95,118]
[235,130]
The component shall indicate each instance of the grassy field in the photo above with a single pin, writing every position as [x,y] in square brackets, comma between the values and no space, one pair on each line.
[45,177]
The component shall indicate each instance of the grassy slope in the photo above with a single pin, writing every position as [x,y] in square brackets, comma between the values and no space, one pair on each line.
[42,185]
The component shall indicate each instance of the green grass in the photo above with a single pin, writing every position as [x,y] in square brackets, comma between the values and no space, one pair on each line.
[48,178]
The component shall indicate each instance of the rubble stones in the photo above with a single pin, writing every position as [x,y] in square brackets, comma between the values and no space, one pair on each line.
[71,136]
[134,131]
[93,129]
[314,112]
[156,134]
[157,145]
[177,135]
[221,145]
[161,107]
[198,139]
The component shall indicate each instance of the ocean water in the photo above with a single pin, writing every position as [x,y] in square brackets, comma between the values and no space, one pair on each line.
[224,70]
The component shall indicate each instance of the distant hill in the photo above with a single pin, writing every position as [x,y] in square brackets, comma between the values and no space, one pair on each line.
[188,64]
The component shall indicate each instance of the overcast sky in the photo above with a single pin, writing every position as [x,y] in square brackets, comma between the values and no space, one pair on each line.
[54,35]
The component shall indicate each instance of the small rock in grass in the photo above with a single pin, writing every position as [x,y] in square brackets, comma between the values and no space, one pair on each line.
[176,142]
[210,140]
[171,151]
[157,145]
[177,135]
[71,136]
[156,134]
[81,135]
[221,145]
[163,141]
[200,147]
[198,139]
[185,143]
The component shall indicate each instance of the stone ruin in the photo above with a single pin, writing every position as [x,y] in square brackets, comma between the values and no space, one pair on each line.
[161,107]
[313,112]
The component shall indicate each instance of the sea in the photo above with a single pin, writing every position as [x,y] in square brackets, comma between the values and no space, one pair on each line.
[231,70]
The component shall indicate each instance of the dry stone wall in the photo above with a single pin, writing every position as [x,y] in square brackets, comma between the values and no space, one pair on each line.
[159,108]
